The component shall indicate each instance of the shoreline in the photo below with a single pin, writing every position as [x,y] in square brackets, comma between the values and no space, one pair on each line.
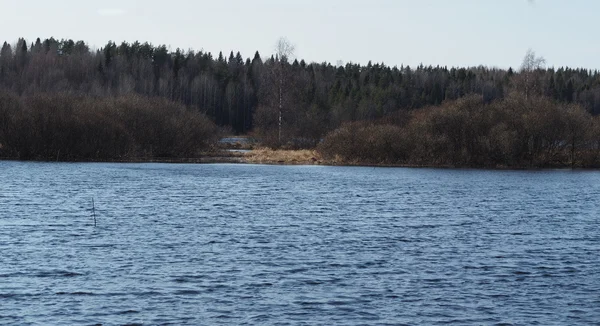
[290,157]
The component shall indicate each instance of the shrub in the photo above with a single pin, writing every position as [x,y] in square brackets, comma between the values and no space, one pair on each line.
[70,127]
[514,132]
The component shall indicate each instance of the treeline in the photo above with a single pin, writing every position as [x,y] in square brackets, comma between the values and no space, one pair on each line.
[62,99]
[244,93]
[61,126]
[513,132]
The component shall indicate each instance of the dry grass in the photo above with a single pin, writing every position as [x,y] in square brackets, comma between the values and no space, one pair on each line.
[270,156]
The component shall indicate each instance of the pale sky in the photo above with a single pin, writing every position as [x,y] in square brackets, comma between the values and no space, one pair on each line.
[445,32]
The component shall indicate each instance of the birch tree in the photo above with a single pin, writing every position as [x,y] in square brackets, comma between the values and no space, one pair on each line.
[529,68]
[284,50]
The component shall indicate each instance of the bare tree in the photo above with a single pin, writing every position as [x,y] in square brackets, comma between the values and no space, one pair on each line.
[529,67]
[285,50]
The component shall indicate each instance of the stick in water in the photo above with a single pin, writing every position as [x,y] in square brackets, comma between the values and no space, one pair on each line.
[94,211]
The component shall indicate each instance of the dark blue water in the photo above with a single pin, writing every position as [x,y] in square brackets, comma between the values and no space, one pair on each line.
[296,245]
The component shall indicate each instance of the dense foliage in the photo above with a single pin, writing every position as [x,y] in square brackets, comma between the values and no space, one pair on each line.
[61,98]
[512,132]
[71,127]
[243,94]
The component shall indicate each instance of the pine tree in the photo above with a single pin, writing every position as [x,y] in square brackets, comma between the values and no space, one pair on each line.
[568,95]
[109,51]
[37,48]
[256,58]
[239,59]
[552,87]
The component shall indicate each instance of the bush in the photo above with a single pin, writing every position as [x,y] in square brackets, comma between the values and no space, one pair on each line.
[70,127]
[514,132]
[371,143]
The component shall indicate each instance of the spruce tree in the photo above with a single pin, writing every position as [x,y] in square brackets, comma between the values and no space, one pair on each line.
[569,91]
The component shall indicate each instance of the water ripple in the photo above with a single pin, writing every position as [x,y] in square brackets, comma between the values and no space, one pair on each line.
[250,244]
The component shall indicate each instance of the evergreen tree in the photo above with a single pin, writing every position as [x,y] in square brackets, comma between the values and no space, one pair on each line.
[568,93]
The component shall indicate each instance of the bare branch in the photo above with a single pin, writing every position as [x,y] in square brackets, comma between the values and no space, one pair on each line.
[531,62]
[284,49]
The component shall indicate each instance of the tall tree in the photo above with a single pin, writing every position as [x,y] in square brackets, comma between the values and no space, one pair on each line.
[529,71]
[285,50]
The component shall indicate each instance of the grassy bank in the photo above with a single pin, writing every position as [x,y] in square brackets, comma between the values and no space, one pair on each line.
[279,157]
[272,156]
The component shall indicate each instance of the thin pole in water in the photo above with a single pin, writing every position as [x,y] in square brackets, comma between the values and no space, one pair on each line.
[94,211]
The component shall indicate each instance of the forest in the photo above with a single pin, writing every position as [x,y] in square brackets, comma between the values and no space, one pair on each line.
[141,100]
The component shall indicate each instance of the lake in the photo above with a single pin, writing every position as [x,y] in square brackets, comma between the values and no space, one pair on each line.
[296,245]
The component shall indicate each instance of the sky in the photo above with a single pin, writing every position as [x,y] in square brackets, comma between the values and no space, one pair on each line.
[495,33]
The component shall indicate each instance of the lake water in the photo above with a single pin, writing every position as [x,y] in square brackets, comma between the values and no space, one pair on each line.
[296,245]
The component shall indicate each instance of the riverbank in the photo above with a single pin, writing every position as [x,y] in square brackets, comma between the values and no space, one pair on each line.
[251,156]
[285,157]
[292,157]
[313,157]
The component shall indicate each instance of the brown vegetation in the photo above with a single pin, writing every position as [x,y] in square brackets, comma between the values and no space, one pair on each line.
[513,132]
[63,100]
[71,127]
[271,156]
